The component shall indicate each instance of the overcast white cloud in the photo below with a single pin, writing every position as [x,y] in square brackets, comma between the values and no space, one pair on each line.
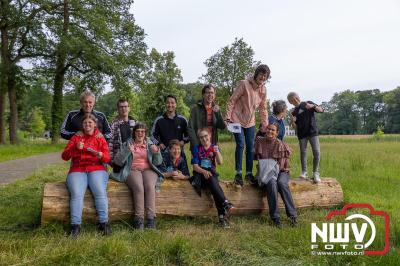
[314,47]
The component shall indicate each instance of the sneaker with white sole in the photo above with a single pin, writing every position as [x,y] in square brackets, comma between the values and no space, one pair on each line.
[304,175]
[316,177]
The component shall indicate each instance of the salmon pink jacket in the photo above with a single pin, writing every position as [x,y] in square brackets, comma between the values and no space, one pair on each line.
[247,97]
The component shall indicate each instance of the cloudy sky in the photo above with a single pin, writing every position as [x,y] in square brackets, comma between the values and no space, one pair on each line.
[314,47]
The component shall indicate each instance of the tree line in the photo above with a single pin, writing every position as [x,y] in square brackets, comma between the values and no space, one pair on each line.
[361,112]
[53,50]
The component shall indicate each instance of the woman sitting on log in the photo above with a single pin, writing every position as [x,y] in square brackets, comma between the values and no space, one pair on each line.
[88,152]
[204,159]
[175,165]
[139,158]
[273,172]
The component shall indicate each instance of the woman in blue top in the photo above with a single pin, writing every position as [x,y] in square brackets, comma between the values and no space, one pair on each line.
[204,159]
[279,109]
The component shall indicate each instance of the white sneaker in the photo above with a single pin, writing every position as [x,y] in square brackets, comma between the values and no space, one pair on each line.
[304,175]
[316,177]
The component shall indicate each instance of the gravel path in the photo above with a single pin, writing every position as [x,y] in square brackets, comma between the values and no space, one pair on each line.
[13,170]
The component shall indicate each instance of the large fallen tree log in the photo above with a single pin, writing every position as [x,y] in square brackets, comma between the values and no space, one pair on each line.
[179,198]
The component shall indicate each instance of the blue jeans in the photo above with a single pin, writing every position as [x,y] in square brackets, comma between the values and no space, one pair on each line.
[246,135]
[77,183]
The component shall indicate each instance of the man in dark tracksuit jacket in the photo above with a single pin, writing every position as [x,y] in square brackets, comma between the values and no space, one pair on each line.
[166,129]
[170,126]
[72,122]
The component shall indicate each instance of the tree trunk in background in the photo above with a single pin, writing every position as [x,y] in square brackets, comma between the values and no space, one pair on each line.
[12,96]
[8,75]
[2,111]
[56,108]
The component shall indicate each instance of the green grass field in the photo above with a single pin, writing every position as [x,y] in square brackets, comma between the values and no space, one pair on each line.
[368,171]
[25,149]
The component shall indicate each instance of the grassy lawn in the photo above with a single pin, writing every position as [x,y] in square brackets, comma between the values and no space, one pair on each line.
[26,149]
[368,171]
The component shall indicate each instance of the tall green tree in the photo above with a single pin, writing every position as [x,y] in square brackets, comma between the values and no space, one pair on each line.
[346,119]
[371,109]
[22,37]
[228,66]
[96,44]
[392,106]
[161,78]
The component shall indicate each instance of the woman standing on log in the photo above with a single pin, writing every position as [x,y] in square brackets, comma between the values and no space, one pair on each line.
[204,159]
[88,153]
[249,96]
[273,173]
[139,158]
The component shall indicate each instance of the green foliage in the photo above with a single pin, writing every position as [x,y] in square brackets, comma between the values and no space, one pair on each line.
[392,114]
[27,148]
[36,123]
[378,134]
[228,66]
[361,112]
[192,92]
[160,79]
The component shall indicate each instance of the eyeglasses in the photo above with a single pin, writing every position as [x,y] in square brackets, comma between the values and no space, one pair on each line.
[203,136]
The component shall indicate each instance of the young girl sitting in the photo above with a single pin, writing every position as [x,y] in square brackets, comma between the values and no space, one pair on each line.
[273,172]
[204,159]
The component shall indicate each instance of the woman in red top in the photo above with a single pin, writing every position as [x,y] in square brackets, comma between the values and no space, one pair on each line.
[88,152]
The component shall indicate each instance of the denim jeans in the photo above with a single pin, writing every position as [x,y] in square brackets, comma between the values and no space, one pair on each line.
[246,135]
[77,183]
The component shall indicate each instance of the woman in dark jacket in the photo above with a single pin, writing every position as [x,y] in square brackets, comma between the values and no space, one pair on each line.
[175,165]
[88,152]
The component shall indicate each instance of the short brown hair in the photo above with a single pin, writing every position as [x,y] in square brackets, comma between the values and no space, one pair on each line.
[174,142]
[138,125]
[207,86]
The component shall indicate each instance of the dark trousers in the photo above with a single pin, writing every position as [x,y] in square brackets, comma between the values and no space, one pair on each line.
[280,186]
[212,184]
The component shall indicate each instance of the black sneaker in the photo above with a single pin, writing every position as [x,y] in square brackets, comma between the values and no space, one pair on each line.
[238,180]
[223,223]
[251,179]
[75,230]
[138,223]
[229,208]
[277,223]
[293,221]
[151,224]
[105,229]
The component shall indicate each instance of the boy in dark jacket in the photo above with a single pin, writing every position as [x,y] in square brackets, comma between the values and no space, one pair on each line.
[305,123]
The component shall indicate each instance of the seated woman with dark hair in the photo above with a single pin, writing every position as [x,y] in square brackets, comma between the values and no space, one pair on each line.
[174,165]
[88,152]
[204,159]
[273,172]
[139,159]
